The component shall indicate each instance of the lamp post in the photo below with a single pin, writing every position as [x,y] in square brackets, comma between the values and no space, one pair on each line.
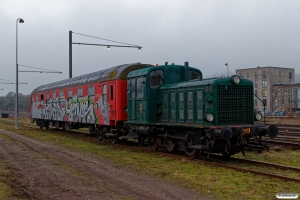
[20,20]
[226,64]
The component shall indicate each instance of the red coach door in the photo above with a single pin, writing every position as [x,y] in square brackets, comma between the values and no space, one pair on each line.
[112,100]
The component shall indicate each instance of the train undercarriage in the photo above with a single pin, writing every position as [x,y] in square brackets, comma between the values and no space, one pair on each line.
[227,140]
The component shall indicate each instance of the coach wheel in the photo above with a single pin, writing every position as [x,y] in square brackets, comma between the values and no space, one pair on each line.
[170,145]
[114,140]
[154,143]
[227,154]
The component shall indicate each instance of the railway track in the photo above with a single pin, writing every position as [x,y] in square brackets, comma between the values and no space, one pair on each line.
[214,161]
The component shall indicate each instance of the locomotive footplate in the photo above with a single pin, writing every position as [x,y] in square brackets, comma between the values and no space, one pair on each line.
[198,147]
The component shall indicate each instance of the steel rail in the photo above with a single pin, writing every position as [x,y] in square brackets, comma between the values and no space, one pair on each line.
[271,175]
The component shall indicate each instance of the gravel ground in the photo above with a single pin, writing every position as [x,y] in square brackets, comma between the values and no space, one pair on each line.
[47,171]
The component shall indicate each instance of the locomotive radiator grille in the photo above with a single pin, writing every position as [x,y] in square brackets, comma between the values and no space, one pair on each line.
[234,104]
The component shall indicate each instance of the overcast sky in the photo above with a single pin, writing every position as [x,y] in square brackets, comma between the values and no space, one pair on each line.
[207,34]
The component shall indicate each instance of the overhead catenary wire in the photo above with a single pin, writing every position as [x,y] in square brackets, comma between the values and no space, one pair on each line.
[37,68]
[105,39]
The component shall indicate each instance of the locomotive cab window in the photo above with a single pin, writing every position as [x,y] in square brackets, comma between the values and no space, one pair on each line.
[156,78]
[140,84]
[133,88]
[193,75]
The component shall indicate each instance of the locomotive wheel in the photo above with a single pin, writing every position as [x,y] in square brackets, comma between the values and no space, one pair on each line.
[154,143]
[170,145]
[141,140]
[191,153]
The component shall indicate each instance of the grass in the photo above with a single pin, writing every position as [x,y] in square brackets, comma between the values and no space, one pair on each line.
[212,182]
[282,157]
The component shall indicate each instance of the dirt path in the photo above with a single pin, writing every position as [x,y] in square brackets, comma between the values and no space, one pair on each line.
[47,171]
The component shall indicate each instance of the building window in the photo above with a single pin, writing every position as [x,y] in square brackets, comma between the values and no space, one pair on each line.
[264,74]
[289,101]
[255,74]
[255,102]
[275,102]
[289,91]
[54,95]
[282,102]
[255,84]
[265,102]
[47,96]
[248,75]
[290,75]
[240,74]
[282,92]
[264,93]
[264,84]
[279,73]
[256,92]
[275,93]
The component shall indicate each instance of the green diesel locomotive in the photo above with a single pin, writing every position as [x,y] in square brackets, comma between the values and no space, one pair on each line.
[172,106]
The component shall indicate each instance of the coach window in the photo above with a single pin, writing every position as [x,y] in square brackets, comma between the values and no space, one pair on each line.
[104,93]
[140,85]
[79,92]
[69,93]
[91,90]
[61,94]
[193,75]
[156,78]
[133,88]
[54,95]
[111,92]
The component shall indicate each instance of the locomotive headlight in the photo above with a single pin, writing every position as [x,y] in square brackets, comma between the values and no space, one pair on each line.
[258,116]
[209,117]
[235,79]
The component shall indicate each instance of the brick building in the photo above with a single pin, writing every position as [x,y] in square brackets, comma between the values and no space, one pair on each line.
[263,79]
[285,97]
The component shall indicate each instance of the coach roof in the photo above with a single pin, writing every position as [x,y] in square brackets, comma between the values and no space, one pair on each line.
[115,73]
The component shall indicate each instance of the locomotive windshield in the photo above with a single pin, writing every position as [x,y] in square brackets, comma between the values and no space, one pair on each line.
[193,75]
[156,78]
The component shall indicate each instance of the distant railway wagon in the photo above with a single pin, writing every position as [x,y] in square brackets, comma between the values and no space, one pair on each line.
[169,106]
